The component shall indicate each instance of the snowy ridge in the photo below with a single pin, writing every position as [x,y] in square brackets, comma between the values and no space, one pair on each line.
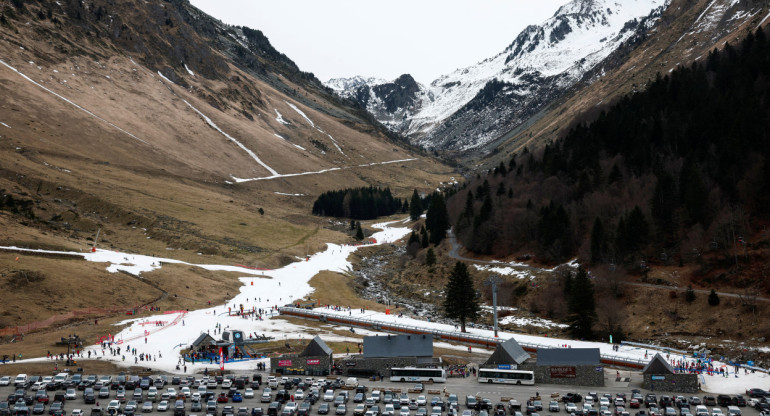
[552,56]
[232,139]
[59,96]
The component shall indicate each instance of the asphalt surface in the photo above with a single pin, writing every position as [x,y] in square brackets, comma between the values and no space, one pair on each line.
[460,386]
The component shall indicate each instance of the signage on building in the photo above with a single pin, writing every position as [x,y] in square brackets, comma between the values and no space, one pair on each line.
[350,363]
[313,361]
[563,372]
[507,366]
[599,369]
[658,377]
[284,363]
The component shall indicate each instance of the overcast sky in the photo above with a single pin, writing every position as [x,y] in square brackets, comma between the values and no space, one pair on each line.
[386,38]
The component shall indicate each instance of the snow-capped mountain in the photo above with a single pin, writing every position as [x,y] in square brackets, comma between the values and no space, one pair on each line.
[391,103]
[472,106]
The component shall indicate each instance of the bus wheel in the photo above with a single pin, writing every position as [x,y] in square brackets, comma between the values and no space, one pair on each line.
[518,383]
[402,379]
[489,381]
[430,380]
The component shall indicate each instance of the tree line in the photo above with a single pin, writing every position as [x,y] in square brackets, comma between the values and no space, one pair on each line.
[661,175]
[363,203]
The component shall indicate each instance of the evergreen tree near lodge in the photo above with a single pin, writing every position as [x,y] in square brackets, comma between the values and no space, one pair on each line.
[461,302]
[683,164]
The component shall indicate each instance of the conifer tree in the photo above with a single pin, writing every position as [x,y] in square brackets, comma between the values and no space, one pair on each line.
[359,232]
[415,206]
[598,241]
[430,257]
[461,302]
[581,305]
[437,219]
[713,298]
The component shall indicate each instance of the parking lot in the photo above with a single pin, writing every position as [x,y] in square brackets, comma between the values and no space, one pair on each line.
[244,395]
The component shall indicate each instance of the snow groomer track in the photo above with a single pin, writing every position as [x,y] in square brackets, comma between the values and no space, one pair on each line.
[449,336]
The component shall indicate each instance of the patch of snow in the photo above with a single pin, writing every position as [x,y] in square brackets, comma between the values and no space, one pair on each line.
[279,118]
[161,75]
[763,21]
[300,112]
[507,271]
[188,70]
[279,136]
[288,175]
[69,101]
[232,139]
[282,193]
[5,124]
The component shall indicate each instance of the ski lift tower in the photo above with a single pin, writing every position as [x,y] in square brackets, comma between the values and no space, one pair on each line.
[93,248]
[493,281]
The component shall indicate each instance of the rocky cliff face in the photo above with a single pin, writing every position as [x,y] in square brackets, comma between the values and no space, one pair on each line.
[473,106]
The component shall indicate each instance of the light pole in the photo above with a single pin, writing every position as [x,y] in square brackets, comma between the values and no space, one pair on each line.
[493,281]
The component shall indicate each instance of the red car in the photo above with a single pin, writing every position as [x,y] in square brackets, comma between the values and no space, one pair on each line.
[634,404]
[222,398]
[42,398]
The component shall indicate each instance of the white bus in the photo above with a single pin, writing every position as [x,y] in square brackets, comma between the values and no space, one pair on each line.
[435,375]
[494,375]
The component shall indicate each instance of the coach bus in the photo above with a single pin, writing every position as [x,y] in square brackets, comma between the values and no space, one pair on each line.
[494,375]
[435,375]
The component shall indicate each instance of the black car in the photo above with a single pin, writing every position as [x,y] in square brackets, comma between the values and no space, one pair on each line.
[724,400]
[176,380]
[739,401]
[572,398]
[755,392]
[323,409]
[5,409]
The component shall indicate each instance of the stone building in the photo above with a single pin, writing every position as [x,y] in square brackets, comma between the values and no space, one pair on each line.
[314,360]
[567,366]
[660,375]
[381,353]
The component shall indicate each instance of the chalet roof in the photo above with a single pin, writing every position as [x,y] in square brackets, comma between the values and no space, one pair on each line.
[316,347]
[398,346]
[658,365]
[568,356]
[203,339]
[508,352]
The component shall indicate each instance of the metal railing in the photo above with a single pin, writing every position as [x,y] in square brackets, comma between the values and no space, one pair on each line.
[456,336]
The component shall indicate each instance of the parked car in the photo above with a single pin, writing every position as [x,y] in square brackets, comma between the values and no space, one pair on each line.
[163,406]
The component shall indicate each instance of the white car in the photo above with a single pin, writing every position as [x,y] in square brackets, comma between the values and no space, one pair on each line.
[226,383]
[248,393]
[77,412]
[299,395]
[604,402]
[421,400]
[329,396]
[716,412]
[163,406]
[39,385]
[71,394]
[404,411]
[186,391]
[570,407]
[196,397]
[291,406]
[113,406]
[5,381]
[553,406]
[389,410]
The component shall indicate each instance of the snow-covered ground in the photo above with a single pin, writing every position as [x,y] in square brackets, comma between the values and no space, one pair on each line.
[261,289]
[269,288]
